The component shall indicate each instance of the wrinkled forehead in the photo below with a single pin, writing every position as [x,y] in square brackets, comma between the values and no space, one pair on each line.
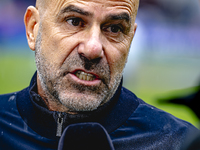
[55,6]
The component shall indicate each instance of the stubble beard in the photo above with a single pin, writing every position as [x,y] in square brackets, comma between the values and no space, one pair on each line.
[75,97]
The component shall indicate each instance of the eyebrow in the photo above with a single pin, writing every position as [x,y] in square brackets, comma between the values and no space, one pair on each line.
[72,8]
[122,16]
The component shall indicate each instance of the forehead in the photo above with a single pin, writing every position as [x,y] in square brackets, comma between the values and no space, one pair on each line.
[131,6]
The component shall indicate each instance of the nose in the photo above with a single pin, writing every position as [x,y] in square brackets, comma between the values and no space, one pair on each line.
[92,47]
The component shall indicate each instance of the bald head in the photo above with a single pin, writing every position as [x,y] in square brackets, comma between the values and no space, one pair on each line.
[39,2]
[42,4]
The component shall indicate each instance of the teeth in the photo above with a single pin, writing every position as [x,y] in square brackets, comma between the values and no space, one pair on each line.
[84,76]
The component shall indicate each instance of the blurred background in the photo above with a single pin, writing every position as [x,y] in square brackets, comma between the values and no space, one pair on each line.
[164,59]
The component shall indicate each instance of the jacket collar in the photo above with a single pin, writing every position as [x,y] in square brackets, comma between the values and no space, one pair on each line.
[37,116]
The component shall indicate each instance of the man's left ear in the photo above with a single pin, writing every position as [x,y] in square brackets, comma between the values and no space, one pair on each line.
[31,21]
[135,28]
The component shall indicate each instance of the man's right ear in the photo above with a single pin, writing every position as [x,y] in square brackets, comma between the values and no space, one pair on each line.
[31,21]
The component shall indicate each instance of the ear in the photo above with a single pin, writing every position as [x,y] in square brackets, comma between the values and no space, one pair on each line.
[31,21]
[134,28]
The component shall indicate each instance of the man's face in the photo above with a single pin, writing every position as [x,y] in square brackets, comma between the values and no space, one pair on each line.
[81,50]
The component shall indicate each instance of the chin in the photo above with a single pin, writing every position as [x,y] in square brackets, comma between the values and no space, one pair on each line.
[81,102]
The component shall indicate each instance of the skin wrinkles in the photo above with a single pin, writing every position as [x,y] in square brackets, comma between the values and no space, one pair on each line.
[48,83]
[72,8]
[131,5]
[122,3]
[122,16]
[89,45]
[69,63]
[71,32]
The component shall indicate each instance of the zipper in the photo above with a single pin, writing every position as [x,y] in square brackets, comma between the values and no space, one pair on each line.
[59,124]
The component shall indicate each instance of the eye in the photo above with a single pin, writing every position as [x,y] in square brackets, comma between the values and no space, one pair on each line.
[115,28]
[75,21]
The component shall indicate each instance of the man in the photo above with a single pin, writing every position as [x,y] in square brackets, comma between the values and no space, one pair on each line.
[81,48]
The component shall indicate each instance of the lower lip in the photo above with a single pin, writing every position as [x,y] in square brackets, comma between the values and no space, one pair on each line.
[95,82]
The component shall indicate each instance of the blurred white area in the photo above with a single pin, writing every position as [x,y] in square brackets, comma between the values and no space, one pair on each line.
[135,54]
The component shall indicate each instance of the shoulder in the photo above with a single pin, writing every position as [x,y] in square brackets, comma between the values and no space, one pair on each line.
[10,99]
[151,127]
[157,118]
[8,104]
[160,124]
[151,116]
[7,97]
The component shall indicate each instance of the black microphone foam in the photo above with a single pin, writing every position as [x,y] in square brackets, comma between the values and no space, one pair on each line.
[85,136]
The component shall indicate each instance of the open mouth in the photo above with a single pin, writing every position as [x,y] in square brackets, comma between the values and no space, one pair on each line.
[84,76]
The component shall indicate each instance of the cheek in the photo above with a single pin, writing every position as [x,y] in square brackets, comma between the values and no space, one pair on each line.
[57,45]
[116,56]
[118,52]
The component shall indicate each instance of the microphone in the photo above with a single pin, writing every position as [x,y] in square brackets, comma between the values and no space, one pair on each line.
[87,136]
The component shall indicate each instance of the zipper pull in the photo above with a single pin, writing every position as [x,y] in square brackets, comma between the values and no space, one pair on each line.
[59,125]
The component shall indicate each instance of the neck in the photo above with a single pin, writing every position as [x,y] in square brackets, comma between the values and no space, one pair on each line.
[52,103]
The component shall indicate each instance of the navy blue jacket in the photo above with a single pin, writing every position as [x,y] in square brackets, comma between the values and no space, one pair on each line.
[27,124]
